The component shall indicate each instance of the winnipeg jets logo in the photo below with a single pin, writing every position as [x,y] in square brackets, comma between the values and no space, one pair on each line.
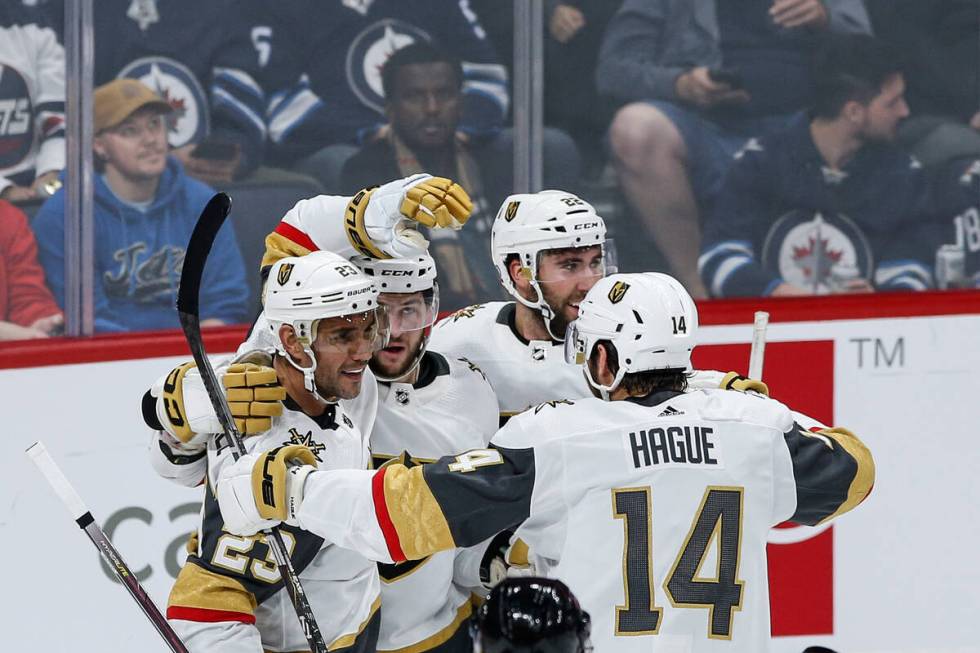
[189,121]
[307,441]
[368,53]
[817,251]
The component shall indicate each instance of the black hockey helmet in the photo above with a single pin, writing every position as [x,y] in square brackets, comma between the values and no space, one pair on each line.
[531,615]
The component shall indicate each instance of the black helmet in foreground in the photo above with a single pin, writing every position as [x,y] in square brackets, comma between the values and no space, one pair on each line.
[531,615]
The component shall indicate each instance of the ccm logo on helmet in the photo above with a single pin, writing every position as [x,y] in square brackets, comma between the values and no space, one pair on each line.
[586,225]
[618,291]
[396,273]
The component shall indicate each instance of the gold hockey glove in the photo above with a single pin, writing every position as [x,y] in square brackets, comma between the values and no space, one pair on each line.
[254,396]
[735,381]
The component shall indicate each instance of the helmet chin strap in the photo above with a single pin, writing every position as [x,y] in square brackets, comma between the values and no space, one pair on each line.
[309,382]
[604,390]
[544,310]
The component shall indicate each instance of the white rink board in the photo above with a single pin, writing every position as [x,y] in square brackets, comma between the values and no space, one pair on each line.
[907,572]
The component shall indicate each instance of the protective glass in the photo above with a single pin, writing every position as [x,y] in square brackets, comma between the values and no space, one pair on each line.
[576,264]
[360,332]
[411,311]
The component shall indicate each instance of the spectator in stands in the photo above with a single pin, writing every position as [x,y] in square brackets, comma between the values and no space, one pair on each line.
[27,309]
[940,42]
[200,58]
[697,78]
[829,204]
[423,90]
[32,92]
[571,102]
[145,211]
[324,84]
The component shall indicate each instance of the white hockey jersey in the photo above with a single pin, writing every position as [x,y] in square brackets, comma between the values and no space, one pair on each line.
[173,462]
[231,578]
[654,511]
[523,373]
[32,96]
[450,408]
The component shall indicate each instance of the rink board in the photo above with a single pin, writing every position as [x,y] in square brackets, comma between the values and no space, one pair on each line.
[900,574]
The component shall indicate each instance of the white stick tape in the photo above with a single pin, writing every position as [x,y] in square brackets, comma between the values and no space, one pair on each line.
[758,353]
[57,479]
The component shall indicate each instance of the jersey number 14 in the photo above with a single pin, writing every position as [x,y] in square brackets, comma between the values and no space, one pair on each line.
[719,523]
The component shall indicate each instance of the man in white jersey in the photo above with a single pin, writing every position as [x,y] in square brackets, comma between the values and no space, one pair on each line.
[323,316]
[429,405]
[651,503]
[549,248]
[426,603]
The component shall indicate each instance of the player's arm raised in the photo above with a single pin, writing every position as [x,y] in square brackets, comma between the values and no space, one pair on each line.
[380,222]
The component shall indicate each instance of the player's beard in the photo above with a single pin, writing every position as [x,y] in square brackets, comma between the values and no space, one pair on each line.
[561,307]
[389,365]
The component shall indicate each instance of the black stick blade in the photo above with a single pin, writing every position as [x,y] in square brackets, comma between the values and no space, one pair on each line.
[212,217]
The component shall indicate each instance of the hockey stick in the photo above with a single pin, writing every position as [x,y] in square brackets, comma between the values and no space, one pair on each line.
[758,353]
[212,217]
[56,478]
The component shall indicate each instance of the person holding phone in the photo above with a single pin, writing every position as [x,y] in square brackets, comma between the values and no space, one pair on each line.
[695,79]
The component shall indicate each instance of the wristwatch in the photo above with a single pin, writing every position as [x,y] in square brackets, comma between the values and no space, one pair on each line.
[52,187]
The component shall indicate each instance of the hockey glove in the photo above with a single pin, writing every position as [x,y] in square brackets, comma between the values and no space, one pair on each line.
[381,222]
[260,490]
[254,396]
[735,381]
[183,407]
[503,559]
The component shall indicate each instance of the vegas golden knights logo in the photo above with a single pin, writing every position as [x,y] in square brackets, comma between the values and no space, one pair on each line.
[617,292]
[285,270]
[511,211]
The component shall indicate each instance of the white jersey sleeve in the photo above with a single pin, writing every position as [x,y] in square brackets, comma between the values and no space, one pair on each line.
[312,224]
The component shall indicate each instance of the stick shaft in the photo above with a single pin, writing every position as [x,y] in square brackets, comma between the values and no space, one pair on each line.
[63,488]
[757,355]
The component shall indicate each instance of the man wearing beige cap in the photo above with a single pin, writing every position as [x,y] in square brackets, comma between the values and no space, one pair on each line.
[145,209]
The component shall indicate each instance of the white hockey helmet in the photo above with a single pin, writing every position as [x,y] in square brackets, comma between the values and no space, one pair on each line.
[530,223]
[302,290]
[649,318]
[416,274]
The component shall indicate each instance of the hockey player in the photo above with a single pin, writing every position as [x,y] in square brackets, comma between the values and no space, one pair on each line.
[421,400]
[652,504]
[323,315]
[524,615]
[549,248]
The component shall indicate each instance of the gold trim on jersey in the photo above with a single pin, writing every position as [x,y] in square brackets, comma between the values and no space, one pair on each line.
[519,554]
[626,547]
[864,477]
[278,246]
[347,640]
[418,519]
[439,638]
[197,587]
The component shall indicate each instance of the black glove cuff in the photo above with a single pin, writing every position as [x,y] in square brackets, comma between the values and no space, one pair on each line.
[150,412]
